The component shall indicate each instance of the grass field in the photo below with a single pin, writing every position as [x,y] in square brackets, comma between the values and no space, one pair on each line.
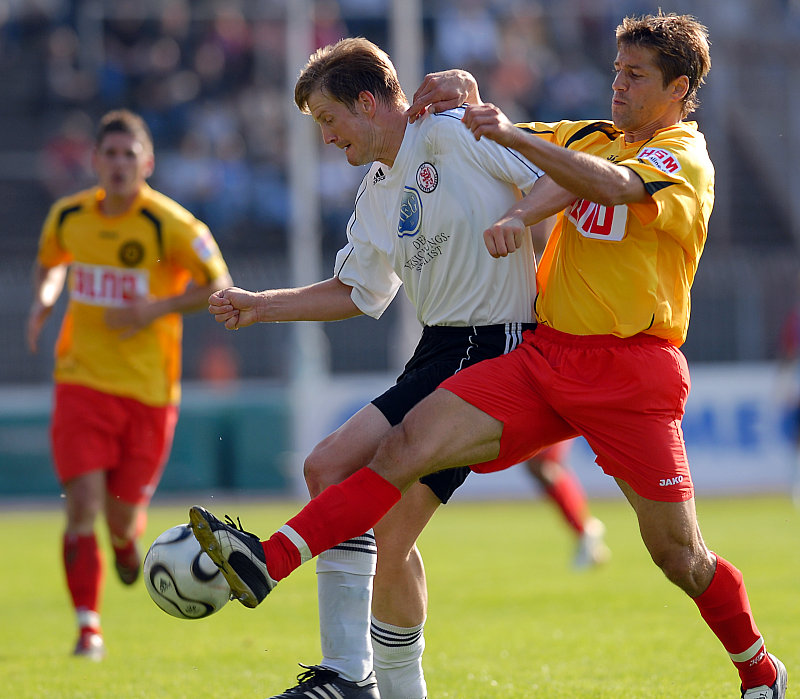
[507,618]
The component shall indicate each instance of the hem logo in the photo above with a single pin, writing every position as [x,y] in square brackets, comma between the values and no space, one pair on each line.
[661,159]
[670,481]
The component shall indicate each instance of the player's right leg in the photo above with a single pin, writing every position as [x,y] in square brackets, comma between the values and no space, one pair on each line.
[83,562]
[83,442]
[672,536]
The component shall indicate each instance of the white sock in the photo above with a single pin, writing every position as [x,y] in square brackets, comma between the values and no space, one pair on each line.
[86,618]
[398,660]
[344,587]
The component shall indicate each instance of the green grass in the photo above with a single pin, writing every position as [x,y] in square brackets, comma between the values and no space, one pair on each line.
[507,616]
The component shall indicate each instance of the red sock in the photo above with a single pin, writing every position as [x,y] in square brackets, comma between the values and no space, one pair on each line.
[337,514]
[568,494]
[726,609]
[84,568]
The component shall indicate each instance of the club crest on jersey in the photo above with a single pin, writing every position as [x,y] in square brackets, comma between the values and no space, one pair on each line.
[131,253]
[427,177]
[410,213]
[661,159]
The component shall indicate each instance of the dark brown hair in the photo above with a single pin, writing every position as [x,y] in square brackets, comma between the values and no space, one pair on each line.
[681,44]
[343,70]
[124,121]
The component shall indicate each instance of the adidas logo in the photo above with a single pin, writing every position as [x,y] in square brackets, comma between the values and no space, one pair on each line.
[379,176]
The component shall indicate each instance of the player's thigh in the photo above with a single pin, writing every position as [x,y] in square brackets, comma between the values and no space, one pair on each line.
[85,431]
[146,444]
[443,431]
[345,450]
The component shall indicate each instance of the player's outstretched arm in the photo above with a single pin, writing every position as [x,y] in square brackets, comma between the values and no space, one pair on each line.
[134,317]
[586,175]
[442,91]
[327,300]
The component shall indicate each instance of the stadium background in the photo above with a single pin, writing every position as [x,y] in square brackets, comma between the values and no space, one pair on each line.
[213,79]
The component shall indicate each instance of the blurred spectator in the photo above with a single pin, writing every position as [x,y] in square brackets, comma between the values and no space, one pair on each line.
[467,36]
[65,161]
[67,81]
[328,24]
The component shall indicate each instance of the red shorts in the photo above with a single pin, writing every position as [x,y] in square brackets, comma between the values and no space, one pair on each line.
[96,431]
[625,396]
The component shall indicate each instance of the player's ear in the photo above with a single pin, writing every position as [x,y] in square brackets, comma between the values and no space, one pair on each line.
[680,87]
[366,104]
[149,166]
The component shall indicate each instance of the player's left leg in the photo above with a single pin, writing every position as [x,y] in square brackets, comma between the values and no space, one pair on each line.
[423,443]
[126,524]
[400,598]
[145,444]
[672,536]
[420,445]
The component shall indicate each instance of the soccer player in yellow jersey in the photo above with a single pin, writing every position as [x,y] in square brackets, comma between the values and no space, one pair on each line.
[604,360]
[136,261]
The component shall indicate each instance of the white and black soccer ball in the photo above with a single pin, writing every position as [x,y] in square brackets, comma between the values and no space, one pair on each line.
[181,578]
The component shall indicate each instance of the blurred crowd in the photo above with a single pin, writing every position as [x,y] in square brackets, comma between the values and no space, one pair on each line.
[210,79]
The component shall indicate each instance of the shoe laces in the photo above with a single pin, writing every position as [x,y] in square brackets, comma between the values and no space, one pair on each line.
[315,675]
[238,526]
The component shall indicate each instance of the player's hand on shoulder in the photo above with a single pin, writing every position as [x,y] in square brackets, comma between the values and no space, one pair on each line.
[488,120]
[441,91]
[505,236]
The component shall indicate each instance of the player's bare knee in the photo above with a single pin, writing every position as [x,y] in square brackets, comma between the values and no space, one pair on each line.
[685,567]
[319,472]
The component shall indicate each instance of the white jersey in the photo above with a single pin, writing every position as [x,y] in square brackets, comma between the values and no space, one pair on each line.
[420,223]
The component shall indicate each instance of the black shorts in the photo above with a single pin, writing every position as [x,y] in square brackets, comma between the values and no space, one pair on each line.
[441,352]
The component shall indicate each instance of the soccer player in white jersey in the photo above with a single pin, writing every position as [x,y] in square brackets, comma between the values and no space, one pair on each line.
[419,221]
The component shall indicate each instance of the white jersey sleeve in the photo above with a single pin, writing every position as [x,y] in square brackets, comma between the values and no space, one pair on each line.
[362,263]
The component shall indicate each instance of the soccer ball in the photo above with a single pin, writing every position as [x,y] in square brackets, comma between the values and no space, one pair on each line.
[181,578]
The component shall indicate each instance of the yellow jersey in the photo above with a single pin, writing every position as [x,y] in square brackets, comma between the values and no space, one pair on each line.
[153,250]
[629,268]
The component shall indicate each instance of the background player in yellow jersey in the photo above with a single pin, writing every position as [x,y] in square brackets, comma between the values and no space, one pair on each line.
[136,261]
[604,359]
